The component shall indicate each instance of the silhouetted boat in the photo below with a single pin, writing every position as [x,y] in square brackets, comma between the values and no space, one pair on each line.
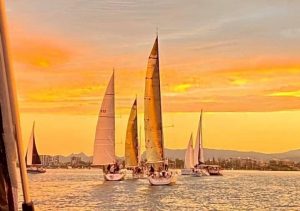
[33,161]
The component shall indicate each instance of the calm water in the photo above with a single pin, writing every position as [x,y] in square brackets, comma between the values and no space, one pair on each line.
[76,189]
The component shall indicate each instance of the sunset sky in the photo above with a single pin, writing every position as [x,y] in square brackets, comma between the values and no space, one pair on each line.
[237,60]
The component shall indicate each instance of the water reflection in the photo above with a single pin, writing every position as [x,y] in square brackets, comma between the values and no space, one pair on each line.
[80,189]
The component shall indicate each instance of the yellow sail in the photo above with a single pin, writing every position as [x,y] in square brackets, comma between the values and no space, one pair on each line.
[152,114]
[131,143]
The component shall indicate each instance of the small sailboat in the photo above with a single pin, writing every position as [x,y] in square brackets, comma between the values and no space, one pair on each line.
[159,174]
[199,169]
[33,161]
[104,145]
[189,159]
[132,148]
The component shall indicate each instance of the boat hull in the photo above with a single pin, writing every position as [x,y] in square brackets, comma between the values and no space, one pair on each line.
[215,173]
[36,171]
[187,172]
[214,170]
[159,181]
[200,173]
[114,177]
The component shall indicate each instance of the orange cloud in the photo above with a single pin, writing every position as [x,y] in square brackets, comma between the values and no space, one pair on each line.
[286,94]
[58,74]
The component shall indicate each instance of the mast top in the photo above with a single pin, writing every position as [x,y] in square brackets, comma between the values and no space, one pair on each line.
[154,51]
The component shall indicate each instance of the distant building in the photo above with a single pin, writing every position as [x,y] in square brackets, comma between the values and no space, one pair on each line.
[46,160]
[55,160]
[287,163]
[75,161]
[274,162]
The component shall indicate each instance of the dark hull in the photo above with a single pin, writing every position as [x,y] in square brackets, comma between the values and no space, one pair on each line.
[36,171]
[215,173]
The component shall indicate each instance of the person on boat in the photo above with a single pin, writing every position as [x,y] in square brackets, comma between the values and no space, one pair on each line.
[151,171]
[108,168]
[112,169]
[117,168]
[166,164]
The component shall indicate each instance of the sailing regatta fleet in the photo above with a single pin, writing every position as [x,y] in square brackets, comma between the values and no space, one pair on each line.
[155,168]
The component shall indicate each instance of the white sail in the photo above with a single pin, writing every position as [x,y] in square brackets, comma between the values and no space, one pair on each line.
[198,151]
[30,148]
[131,143]
[189,155]
[152,113]
[104,145]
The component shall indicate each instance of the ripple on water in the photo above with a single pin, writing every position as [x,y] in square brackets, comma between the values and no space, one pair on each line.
[83,189]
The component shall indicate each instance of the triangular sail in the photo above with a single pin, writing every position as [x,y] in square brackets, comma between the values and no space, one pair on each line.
[189,155]
[131,143]
[104,145]
[32,155]
[152,115]
[198,151]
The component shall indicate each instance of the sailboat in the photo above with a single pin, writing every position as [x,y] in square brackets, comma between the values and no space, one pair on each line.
[153,123]
[199,169]
[104,145]
[32,158]
[188,159]
[132,148]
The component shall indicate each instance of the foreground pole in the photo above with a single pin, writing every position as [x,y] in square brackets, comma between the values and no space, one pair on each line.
[13,104]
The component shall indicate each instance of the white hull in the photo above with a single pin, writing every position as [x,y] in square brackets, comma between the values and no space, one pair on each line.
[200,172]
[187,172]
[158,181]
[114,177]
[36,170]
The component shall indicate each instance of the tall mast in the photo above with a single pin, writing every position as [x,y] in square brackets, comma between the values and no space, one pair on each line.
[200,154]
[200,138]
[140,146]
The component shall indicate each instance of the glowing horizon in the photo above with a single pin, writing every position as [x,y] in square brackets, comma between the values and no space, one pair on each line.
[244,64]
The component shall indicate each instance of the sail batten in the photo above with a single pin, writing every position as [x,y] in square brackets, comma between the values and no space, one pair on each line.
[131,143]
[152,114]
[104,145]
